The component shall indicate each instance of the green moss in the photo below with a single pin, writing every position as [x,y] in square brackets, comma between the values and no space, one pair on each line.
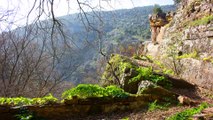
[187,114]
[168,71]
[89,90]
[146,73]
[208,59]
[117,65]
[115,91]
[49,99]
[148,58]
[84,91]
[125,118]
[121,64]
[155,105]
[139,57]
[20,101]
[190,55]
[203,21]
[24,114]
[17,101]
[163,68]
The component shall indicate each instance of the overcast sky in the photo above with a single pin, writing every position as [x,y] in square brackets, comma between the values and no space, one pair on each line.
[22,7]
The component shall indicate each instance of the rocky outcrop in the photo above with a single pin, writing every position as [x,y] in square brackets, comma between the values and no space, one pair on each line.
[157,21]
[119,71]
[127,69]
[187,44]
[77,107]
[147,87]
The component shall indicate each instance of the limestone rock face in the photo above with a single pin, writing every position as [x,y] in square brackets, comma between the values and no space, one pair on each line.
[198,72]
[190,31]
[157,21]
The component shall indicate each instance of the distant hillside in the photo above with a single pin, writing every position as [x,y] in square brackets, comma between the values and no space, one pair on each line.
[120,28]
[121,31]
[117,25]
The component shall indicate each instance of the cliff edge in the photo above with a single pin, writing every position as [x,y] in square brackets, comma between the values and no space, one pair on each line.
[185,44]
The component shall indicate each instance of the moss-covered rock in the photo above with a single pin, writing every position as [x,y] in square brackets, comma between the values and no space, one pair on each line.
[162,94]
[120,70]
[126,73]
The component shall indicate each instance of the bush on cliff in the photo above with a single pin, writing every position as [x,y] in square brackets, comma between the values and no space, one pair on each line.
[20,101]
[90,90]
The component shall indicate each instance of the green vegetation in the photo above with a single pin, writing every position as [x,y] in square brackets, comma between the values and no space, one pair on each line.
[190,55]
[143,57]
[177,1]
[84,91]
[163,68]
[203,21]
[186,114]
[49,99]
[20,101]
[24,114]
[125,118]
[115,91]
[90,90]
[208,59]
[81,91]
[155,105]
[145,73]
[158,63]
[118,64]
[157,9]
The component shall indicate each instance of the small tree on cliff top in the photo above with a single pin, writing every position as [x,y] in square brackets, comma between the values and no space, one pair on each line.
[157,9]
[176,1]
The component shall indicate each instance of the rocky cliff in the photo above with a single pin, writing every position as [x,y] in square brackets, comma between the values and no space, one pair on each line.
[186,43]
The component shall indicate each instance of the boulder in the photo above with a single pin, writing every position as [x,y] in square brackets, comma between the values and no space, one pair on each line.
[120,70]
[160,93]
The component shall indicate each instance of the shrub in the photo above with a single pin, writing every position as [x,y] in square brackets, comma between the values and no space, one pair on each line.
[190,55]
[154,105]
[186,114]
[49,99]
[84,91]
[157,9]
[115,91]
[17,101]
[90,90]
[20,101]
[145,73]
[203,21]
[177,1]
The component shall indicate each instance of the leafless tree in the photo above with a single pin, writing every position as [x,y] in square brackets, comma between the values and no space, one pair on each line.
[32,57]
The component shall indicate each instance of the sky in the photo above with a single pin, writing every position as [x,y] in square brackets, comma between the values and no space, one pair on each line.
[20,8]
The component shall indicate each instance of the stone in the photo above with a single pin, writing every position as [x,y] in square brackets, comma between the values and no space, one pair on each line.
[160,93]
[120,71]
[180,36]
[157,21]
[185,100]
